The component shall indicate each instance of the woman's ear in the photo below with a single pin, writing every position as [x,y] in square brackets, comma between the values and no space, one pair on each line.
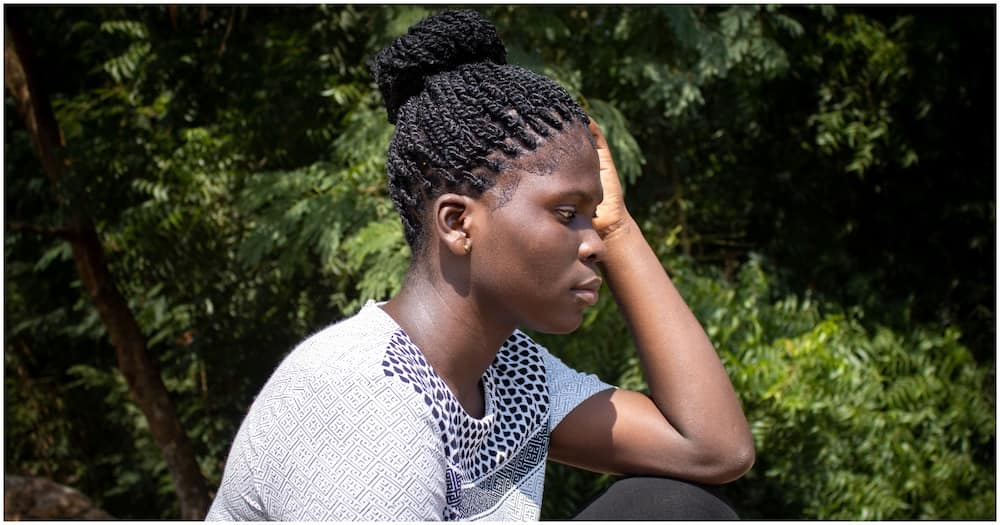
[454,222]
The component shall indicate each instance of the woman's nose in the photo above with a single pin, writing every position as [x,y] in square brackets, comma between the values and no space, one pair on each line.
[591,246]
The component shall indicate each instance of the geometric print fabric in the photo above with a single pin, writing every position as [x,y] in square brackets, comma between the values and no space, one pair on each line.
[355,425]
[476,448]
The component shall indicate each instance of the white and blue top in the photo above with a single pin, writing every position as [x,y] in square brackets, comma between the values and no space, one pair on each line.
[356,425]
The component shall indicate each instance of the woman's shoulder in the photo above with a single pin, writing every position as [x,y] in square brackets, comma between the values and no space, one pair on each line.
[337,364]
[349,344]
[334,383]
[330,415]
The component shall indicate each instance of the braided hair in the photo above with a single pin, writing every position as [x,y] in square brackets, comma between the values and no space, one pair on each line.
[460,112]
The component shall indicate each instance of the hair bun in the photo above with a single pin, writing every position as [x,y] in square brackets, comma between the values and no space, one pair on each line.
[441,42]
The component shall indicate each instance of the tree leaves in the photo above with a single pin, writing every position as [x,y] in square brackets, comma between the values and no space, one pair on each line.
[849,423]
[628,156]
[805,158]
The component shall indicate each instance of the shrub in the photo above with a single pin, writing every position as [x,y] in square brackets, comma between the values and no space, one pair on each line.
[849,421]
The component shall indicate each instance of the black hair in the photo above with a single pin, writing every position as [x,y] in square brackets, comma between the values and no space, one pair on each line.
[460,110]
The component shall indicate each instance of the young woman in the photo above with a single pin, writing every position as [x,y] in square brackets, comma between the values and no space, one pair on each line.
[434,405]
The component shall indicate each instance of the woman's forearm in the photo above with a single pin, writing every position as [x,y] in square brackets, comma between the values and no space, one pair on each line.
[687,381]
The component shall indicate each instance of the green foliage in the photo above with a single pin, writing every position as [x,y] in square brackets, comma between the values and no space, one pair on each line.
[337,211]
[863,82]
[628,156]
[848,423]
[233,160]
[125,66]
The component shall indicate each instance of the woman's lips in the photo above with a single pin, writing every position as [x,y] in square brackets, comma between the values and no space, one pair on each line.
[587,296]
[587,290]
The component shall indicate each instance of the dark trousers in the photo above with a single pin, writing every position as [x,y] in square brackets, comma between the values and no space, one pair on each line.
[657,499]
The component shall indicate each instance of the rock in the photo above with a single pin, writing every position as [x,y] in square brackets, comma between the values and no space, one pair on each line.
[36,498]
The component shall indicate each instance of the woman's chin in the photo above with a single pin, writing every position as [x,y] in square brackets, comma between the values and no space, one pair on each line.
[559,326]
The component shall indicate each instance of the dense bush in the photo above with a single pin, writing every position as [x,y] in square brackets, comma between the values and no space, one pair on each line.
[849,422]
[233,162]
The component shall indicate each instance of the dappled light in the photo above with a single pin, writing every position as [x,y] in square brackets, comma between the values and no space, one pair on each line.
[191,190]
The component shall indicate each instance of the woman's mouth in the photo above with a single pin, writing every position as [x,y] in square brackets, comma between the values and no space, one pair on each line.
[587,291]
[587,296]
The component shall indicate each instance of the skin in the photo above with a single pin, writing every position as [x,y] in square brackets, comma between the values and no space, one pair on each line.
[532,262]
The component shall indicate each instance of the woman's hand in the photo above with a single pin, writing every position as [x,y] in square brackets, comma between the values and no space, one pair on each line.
[611,213]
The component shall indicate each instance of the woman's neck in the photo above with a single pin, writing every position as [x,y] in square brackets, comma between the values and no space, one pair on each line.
[456,336]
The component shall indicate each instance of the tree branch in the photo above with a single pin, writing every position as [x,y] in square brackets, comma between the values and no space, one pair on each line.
[229,28]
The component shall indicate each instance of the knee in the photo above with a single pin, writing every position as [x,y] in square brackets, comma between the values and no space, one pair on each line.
[655,498]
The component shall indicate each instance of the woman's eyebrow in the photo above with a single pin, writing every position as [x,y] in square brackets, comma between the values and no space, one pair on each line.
[578,194]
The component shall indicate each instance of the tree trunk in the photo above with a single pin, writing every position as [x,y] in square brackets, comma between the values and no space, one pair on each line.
[140,371]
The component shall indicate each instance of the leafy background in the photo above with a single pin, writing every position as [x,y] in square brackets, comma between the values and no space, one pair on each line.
[819,182]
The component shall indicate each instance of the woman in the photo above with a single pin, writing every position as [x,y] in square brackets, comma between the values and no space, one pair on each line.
[434,405]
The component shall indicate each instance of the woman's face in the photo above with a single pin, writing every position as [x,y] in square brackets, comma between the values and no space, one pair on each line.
[534,259]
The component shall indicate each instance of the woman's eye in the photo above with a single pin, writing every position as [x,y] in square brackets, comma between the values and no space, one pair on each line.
[565,214]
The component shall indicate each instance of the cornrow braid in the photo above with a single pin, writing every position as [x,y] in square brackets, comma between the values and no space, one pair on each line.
[456,103]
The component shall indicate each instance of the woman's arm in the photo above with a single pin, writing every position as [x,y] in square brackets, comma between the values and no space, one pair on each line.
[693,427]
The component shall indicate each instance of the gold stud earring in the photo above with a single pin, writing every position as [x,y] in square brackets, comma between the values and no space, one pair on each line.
[467,246]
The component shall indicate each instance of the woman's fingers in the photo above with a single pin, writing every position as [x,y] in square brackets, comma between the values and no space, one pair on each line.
[612,212]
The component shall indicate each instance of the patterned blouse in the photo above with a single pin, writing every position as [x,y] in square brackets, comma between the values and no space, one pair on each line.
[356,425]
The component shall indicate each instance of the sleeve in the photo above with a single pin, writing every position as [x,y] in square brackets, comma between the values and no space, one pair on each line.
[340,447]
[237,498]
[567,387]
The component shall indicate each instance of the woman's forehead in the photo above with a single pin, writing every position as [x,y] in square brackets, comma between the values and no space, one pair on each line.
[566,165]
[571,147]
